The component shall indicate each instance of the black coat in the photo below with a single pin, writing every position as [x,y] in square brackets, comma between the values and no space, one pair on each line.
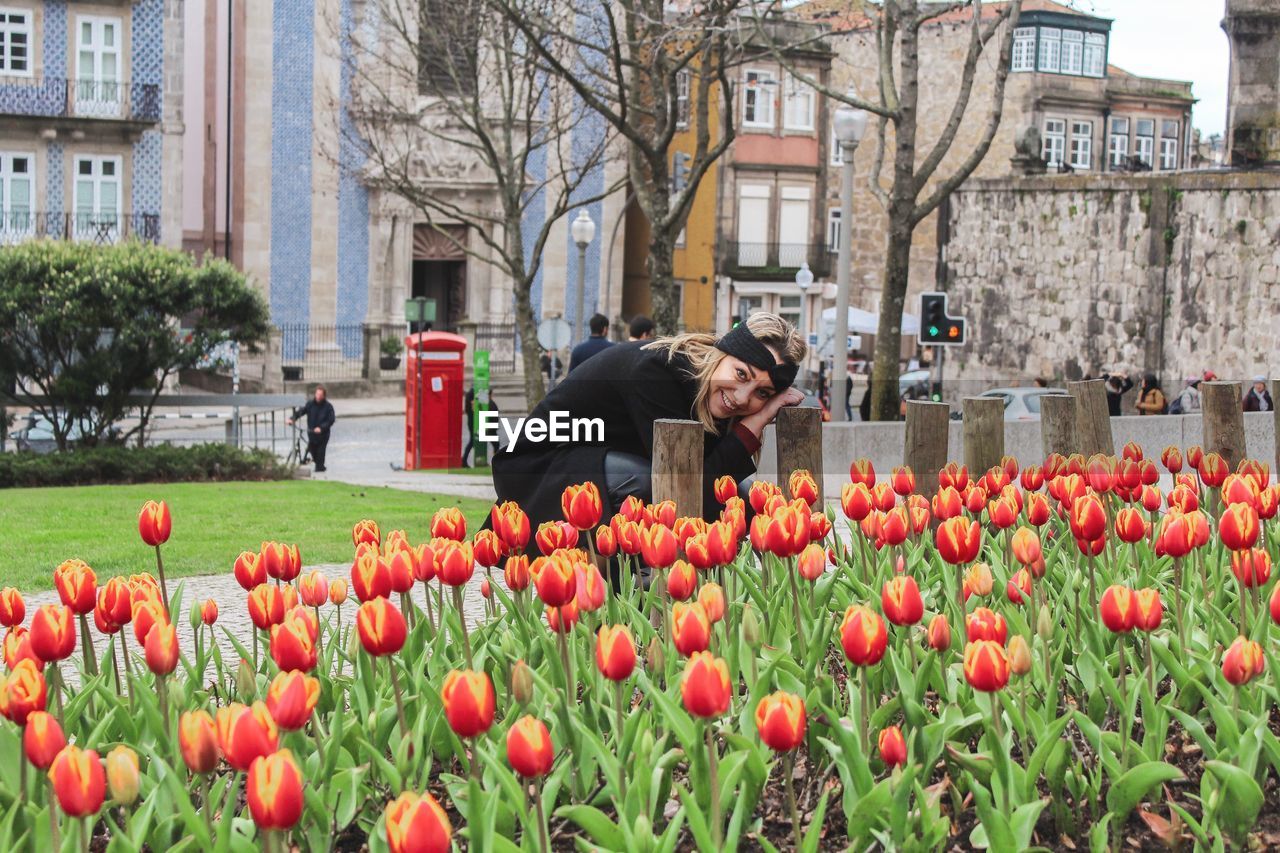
[318,414]
[628,388]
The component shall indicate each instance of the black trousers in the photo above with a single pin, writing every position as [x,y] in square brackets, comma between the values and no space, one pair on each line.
[316,443]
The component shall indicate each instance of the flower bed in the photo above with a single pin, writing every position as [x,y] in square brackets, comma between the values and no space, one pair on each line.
[1062,656]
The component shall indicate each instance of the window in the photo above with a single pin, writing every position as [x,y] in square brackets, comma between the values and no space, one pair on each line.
[1118,148]
[448,40]
[789,309]
[753,224]
[98,67]
[1145,140]
[1055,141]
[16,188]
[1050,47]
[15,42]
[757,99]
[1168,145]
[797,110]
[682,98]
[833,230]
[97,198]
[793,227]
[1081,144]
[1072,51]
[1095,55]
[1024,49]
[680,243]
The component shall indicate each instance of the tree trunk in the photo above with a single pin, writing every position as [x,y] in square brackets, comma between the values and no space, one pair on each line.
[526,325]
[884,376]
[662,288]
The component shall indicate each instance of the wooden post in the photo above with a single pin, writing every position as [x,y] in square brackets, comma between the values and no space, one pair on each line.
[925,444]
[1058,424]
[1223,417]
[1093,420]
[983,433]
[677,464]
[799,438]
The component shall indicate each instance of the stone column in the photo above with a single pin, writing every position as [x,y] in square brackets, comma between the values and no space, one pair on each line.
[1253,94]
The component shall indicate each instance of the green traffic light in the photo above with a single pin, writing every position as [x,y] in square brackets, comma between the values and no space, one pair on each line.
[933,331]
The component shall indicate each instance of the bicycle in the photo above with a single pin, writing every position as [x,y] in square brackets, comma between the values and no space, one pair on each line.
[300,453]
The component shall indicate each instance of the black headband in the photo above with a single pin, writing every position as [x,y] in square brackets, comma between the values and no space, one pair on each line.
[740,343]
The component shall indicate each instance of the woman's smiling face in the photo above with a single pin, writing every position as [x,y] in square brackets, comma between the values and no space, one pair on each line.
[738,389]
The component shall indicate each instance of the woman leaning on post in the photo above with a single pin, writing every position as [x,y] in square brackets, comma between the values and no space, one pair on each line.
[732,385]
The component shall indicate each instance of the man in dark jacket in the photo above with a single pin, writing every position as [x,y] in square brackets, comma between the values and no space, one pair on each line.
[320,418]
[1117,387]
[598,342]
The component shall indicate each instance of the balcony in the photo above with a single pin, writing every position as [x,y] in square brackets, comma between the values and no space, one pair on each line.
[136,104]
[104,228]
[772,261]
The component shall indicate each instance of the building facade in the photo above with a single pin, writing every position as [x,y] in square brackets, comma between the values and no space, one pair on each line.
[91,120]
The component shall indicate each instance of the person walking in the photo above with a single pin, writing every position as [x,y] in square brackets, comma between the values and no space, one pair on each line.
[320,417]
[1151,400]
[597,343]
[1258,398]
[1117,387]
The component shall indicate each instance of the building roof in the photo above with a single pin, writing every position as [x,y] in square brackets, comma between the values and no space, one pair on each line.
[841,18]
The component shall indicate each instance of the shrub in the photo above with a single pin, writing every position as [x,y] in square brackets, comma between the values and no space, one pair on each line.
[159,464]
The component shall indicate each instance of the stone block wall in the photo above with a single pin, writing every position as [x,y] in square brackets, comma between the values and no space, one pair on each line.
[1065,276]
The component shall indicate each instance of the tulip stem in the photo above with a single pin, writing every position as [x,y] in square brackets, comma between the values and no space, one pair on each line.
[164,587]
[1123,720]
[717,825]
[115,668]
[866,711]
[56,680]
[162,691]
[1177,601]
[788,781]
[542,820]
[462,618]
[206,806]
[86,641]
[395,685]
[620,725]
[800,638]
[22,778]
[1151,669]
[53,816]
[84,834]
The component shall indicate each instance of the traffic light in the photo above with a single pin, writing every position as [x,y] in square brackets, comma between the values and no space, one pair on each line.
[937,328]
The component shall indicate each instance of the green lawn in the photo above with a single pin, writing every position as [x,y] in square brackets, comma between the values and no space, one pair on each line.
[212,523]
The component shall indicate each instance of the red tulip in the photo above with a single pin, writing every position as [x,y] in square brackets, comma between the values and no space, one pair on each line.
[986,667]
[529,749]
[939,634]
[274,791]
[856,501]
[154,524]
[449,523]
[986,624]
[1243,660]
[17,647]
[682,580]
[658,546]
[198,740]
[381,627]
[266,606]
[562,619]
[1213,470]
[282,562]
[370,576]
[900,600]
[22,692]
[516,573]
[512,526]
[1238,528]
[455,562]
[42,739]
[812,562]
[246,733]
[161,648]
[417,824]
[77,585]
[711,597]
[366,530]
[12,608]
[293,645]
[780,719]
[555,578]
[582,505]
[556,535]
[1148,610]
[468,702]
[53,632]
[615,652]
[1018,589]
[1130,525]
[690,628]
[892,746]
[1252,566]
[1118,608]
[863,636]
[78,780]
[291,697]
[958,540]
[705,688]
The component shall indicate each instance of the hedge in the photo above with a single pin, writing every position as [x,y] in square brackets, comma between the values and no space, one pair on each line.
[158,464]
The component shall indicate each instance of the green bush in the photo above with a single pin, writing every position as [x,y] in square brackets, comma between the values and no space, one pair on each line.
[159,464]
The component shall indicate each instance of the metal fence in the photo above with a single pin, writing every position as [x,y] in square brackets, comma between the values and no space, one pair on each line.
[19,225]
[62,97]
[500,340]
[310,352]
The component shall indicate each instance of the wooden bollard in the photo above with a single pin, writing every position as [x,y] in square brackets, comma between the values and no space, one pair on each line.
[677,464]
[983,433]
[1093,419]
[1223,418]
[1058,424]
[799,439]
[925,444]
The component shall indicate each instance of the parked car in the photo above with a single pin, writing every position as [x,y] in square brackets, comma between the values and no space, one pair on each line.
[1021,404]
[36,435]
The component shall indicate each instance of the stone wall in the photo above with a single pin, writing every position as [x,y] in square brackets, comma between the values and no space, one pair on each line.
[1064,276]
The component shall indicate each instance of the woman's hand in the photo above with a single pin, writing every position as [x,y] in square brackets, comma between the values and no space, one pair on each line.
[758,421]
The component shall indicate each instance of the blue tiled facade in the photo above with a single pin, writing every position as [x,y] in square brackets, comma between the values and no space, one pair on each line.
[54,45]
[55,190]
[293,50]
[147,166]
[353,204]
[146,67]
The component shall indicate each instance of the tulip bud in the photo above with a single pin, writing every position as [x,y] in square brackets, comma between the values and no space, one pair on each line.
[655,656]
[1019,655]
[1044,624]
[194,619]
[246,682]
[751,627]
[521,682]
[122,775]
[353,645]
[939,633]
[892,746]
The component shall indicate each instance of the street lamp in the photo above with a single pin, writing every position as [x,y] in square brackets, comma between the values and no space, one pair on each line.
[804,278]
[850,124]
[583,231]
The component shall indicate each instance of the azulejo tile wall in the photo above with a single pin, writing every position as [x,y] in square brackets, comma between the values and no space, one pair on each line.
[146,36]
[353,201]
[53,48]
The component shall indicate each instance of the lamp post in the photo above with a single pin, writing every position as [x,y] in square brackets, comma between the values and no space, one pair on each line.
[804,278]
[850,124]
[583,231]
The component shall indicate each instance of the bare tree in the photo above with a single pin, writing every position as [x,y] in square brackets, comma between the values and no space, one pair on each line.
[916,188]
[451,113]
[647,67]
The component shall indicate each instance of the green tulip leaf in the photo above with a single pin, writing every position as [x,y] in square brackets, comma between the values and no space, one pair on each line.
[1127,791]
[1240,798]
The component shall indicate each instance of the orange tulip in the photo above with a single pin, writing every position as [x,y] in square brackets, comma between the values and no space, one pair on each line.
[780,719]
[17,647]
[1003,512]
[812,562]
[1019,655]
[401,569]
[581,505]
[556,581]
[556,535]
[939,635]
[381,627]
[590,587]
[986,624]
[606,541]
[1252,566]
[23,692]
[705,688]
[198,740]
[863,635]
[468,702]
[986,667]
[313,588]
[1213,470]
[690,628]
[370,576]
[902,480]
[154,524]
[265,605]
[1238,489]
[366,530]
[1171,458]
[711,597]
[894,527]
[511,524]
[115,601]
[658,546]
[862,471]
[900,600]
[293,645]
[274,790]
[1037,509]
[1088,518]
[42,739]
[978,580]
[529,749]
[1032,478]
[958,540]
[1148,609]
[291,697]
[53,632]
[78,781]
[122,775]
[802,486]
[682,580]
[1025,545]
[77,585]
[562,619]
[161,648]
[449,523]
[12,608]
[615,652]
[417,824]
[516,573]
[246,733]
[892,746]
[487,548]
[1238,528]
[1019,587]
[282,562]
[1243,660]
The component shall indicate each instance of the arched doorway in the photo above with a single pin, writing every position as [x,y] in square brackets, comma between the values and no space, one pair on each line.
[440,272]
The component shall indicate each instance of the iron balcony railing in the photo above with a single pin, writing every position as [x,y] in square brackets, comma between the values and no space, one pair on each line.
[62,97]
[773,258]
[19,225]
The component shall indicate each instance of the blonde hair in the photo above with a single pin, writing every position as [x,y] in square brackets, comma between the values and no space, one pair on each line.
[700,348]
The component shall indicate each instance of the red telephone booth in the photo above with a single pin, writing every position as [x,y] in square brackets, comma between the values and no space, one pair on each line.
[433,400]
